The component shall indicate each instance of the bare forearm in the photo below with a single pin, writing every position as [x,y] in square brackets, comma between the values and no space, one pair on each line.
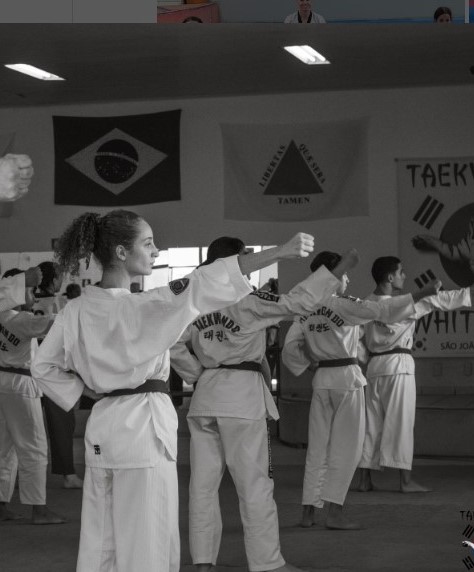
[255,261]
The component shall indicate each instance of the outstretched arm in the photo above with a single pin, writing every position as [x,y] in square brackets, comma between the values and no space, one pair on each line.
[464,250]
[300,246]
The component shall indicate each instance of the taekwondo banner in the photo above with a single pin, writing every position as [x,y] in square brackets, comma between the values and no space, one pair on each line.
[295,172]
[116,161]
[436,208]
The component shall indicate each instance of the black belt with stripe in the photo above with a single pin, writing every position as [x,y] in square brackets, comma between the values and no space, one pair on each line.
[338,362]
[150,386]
[20,370]
[243,366]
[390,352]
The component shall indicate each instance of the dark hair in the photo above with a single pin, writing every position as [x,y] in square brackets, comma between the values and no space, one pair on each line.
[442,10]
[98,235]
[73,291]
[384,266]
[326,258]
[50,271]
[12,272]
[192,19]
[223,247]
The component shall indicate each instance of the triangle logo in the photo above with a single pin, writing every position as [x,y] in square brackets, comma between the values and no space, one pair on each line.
[293,176]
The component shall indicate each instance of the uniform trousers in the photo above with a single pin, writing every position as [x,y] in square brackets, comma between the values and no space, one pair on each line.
[61,426]
[335,438]
[23,446]
[390,422]
[129,520]
[242,445]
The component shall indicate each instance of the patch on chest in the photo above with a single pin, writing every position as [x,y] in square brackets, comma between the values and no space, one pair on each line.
[97,449]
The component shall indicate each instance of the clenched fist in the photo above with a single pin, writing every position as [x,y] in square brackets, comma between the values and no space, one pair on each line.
[300,246]
[16,172]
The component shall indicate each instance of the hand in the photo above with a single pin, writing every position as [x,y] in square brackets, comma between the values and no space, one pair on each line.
[300,246]
[350,259]
[15,176]
[425,243]
[431,289]
[33,277]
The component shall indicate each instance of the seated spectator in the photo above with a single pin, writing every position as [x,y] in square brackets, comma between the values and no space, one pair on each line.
[443,15]
[73,291]
[304,14]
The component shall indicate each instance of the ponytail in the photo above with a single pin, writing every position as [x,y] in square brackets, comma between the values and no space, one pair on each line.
[90,234]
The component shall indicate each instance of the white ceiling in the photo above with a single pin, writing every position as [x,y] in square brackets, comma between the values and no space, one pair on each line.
[116,62]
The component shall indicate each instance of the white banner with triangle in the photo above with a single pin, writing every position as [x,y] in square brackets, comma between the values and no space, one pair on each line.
[295,172]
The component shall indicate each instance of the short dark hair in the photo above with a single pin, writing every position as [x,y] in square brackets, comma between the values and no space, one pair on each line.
[223,247]
[326,258]
[442,10]
[73,291]
[12,272]
[384,266]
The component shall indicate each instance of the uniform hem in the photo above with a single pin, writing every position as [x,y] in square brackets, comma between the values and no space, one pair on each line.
[281,562]
[396,465]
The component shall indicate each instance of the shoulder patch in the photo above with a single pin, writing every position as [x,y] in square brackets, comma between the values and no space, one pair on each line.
[179,286]
[268,296]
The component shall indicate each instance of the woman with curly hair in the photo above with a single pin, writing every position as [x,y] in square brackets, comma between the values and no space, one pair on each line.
[116,344]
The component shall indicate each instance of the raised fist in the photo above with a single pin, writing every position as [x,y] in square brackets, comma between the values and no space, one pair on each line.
[300,246]
[15,176]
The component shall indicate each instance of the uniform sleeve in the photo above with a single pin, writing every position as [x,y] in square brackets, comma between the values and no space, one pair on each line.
[260,309]
[27,325]
[185,364]
[293,354]
[12,292]
[156,319]
[49,369]
[355,311]
[445,300]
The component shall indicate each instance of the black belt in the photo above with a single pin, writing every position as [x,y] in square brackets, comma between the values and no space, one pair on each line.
[150,386]
[338,362]
[20,370]
[244,366]
[390,352]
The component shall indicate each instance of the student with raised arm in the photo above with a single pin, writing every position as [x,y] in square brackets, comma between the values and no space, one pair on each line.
[391,390]
[229,409]
[326,342]
[23,443]
[116,344]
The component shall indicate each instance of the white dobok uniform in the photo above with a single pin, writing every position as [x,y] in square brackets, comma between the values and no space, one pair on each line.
[337,415]
[23,443]
[12,292]
[110,339]
[294,19]
[391,391]
[227,418]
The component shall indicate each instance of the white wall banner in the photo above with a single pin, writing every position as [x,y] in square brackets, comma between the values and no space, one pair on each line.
[295,172]
[436,214]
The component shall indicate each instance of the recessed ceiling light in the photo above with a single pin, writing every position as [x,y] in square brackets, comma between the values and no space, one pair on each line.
[307,55]
[34,72]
